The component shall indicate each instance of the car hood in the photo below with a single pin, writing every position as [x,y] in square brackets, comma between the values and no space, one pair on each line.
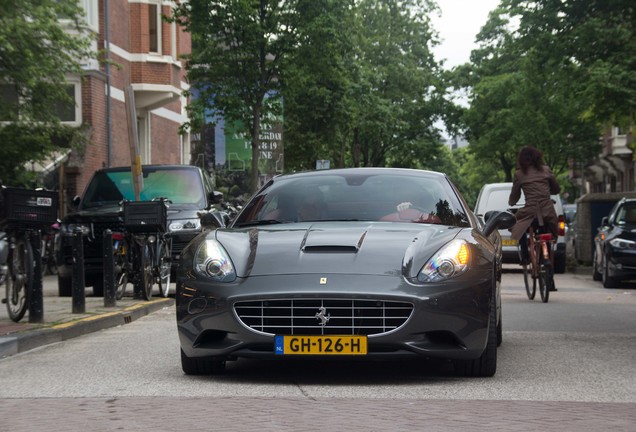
[326,247]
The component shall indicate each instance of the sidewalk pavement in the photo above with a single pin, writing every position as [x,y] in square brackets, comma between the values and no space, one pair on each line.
[60,323]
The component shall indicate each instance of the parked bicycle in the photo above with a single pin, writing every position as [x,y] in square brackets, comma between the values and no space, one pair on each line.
[143,252]
[19,272]
[49,263]
[540,268]
[22,214]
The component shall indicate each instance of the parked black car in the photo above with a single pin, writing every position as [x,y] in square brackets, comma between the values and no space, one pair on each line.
[188,188]
[361,262]
[615,245]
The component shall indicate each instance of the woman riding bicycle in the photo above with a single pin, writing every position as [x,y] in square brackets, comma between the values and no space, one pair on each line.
[537,182]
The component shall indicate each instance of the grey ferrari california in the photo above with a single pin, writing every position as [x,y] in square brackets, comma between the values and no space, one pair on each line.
[359,262]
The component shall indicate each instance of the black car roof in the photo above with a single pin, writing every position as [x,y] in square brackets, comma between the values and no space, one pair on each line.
[150,167]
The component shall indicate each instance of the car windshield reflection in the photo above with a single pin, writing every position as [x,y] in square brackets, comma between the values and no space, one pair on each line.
[359,197]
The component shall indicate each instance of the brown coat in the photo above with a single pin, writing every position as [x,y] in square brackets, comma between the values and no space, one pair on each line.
[537,187]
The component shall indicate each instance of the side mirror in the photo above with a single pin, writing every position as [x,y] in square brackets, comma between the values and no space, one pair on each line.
[498,220]
[76,201]
[604,221]
[211,220]
[216,197]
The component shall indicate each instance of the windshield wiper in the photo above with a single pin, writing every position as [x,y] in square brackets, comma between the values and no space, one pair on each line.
[259,222]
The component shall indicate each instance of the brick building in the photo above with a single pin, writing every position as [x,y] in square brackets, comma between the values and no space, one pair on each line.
[144,52]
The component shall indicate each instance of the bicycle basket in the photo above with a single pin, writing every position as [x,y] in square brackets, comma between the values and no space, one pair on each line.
[145,216]
[28,208]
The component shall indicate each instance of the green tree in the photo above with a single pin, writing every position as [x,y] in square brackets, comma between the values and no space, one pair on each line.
[362,88]
[41,42]
[599,38]
[398,94]
[235,65]
[318,80]
[520,95]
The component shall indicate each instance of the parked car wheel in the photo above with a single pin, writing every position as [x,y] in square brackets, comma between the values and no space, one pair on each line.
[98,288]
[608,282]
[486,364]
[64,286]
[559,264]
[500,331]
[596,275]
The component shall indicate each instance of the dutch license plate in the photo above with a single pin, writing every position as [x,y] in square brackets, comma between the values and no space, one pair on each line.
[509,242]
[324,345]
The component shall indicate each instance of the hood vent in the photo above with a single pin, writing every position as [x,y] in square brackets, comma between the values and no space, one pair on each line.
[333,241]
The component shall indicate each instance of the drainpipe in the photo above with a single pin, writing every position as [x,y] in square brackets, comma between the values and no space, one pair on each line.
[109,138]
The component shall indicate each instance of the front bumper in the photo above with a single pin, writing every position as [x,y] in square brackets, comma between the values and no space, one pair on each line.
[447,320]
[622,264]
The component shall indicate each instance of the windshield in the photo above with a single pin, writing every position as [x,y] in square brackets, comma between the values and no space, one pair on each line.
[627,214]
[181,186]
[356,197]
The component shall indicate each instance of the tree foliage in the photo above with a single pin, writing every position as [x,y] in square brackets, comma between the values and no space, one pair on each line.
[359,83]
[595,40]
[41,42]
[374,99]
[235,65]
[526,91]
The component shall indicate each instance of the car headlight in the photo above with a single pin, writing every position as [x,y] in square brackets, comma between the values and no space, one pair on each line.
[212,261]
[450,261]
[620,243]
[184,224]
[72,228]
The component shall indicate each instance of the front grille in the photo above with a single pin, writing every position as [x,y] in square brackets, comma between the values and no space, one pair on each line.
[303,316]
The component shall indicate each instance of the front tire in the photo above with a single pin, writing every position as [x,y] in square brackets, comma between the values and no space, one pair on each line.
[165,266]
[486,364]
[596,275]
[19,279]
[64,286]
[145,274]
[608,281]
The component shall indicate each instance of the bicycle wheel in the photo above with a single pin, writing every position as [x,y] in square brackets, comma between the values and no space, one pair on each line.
[546,280]
[165,264]
[531,291]
[145,270]
[19,278]
[122,267]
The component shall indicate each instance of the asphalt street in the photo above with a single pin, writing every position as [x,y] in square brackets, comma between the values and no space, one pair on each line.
[572,371]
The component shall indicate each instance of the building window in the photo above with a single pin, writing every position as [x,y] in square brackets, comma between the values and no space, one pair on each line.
[68,111]
[91,13]
[154,27]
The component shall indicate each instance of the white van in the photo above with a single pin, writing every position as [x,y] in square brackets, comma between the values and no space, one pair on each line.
[494,196]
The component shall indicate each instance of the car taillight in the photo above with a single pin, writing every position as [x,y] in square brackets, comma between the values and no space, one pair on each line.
[561,225]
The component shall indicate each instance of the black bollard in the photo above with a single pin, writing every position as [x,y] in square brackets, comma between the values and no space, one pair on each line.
[79,295]
[109,270]
[36,298]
